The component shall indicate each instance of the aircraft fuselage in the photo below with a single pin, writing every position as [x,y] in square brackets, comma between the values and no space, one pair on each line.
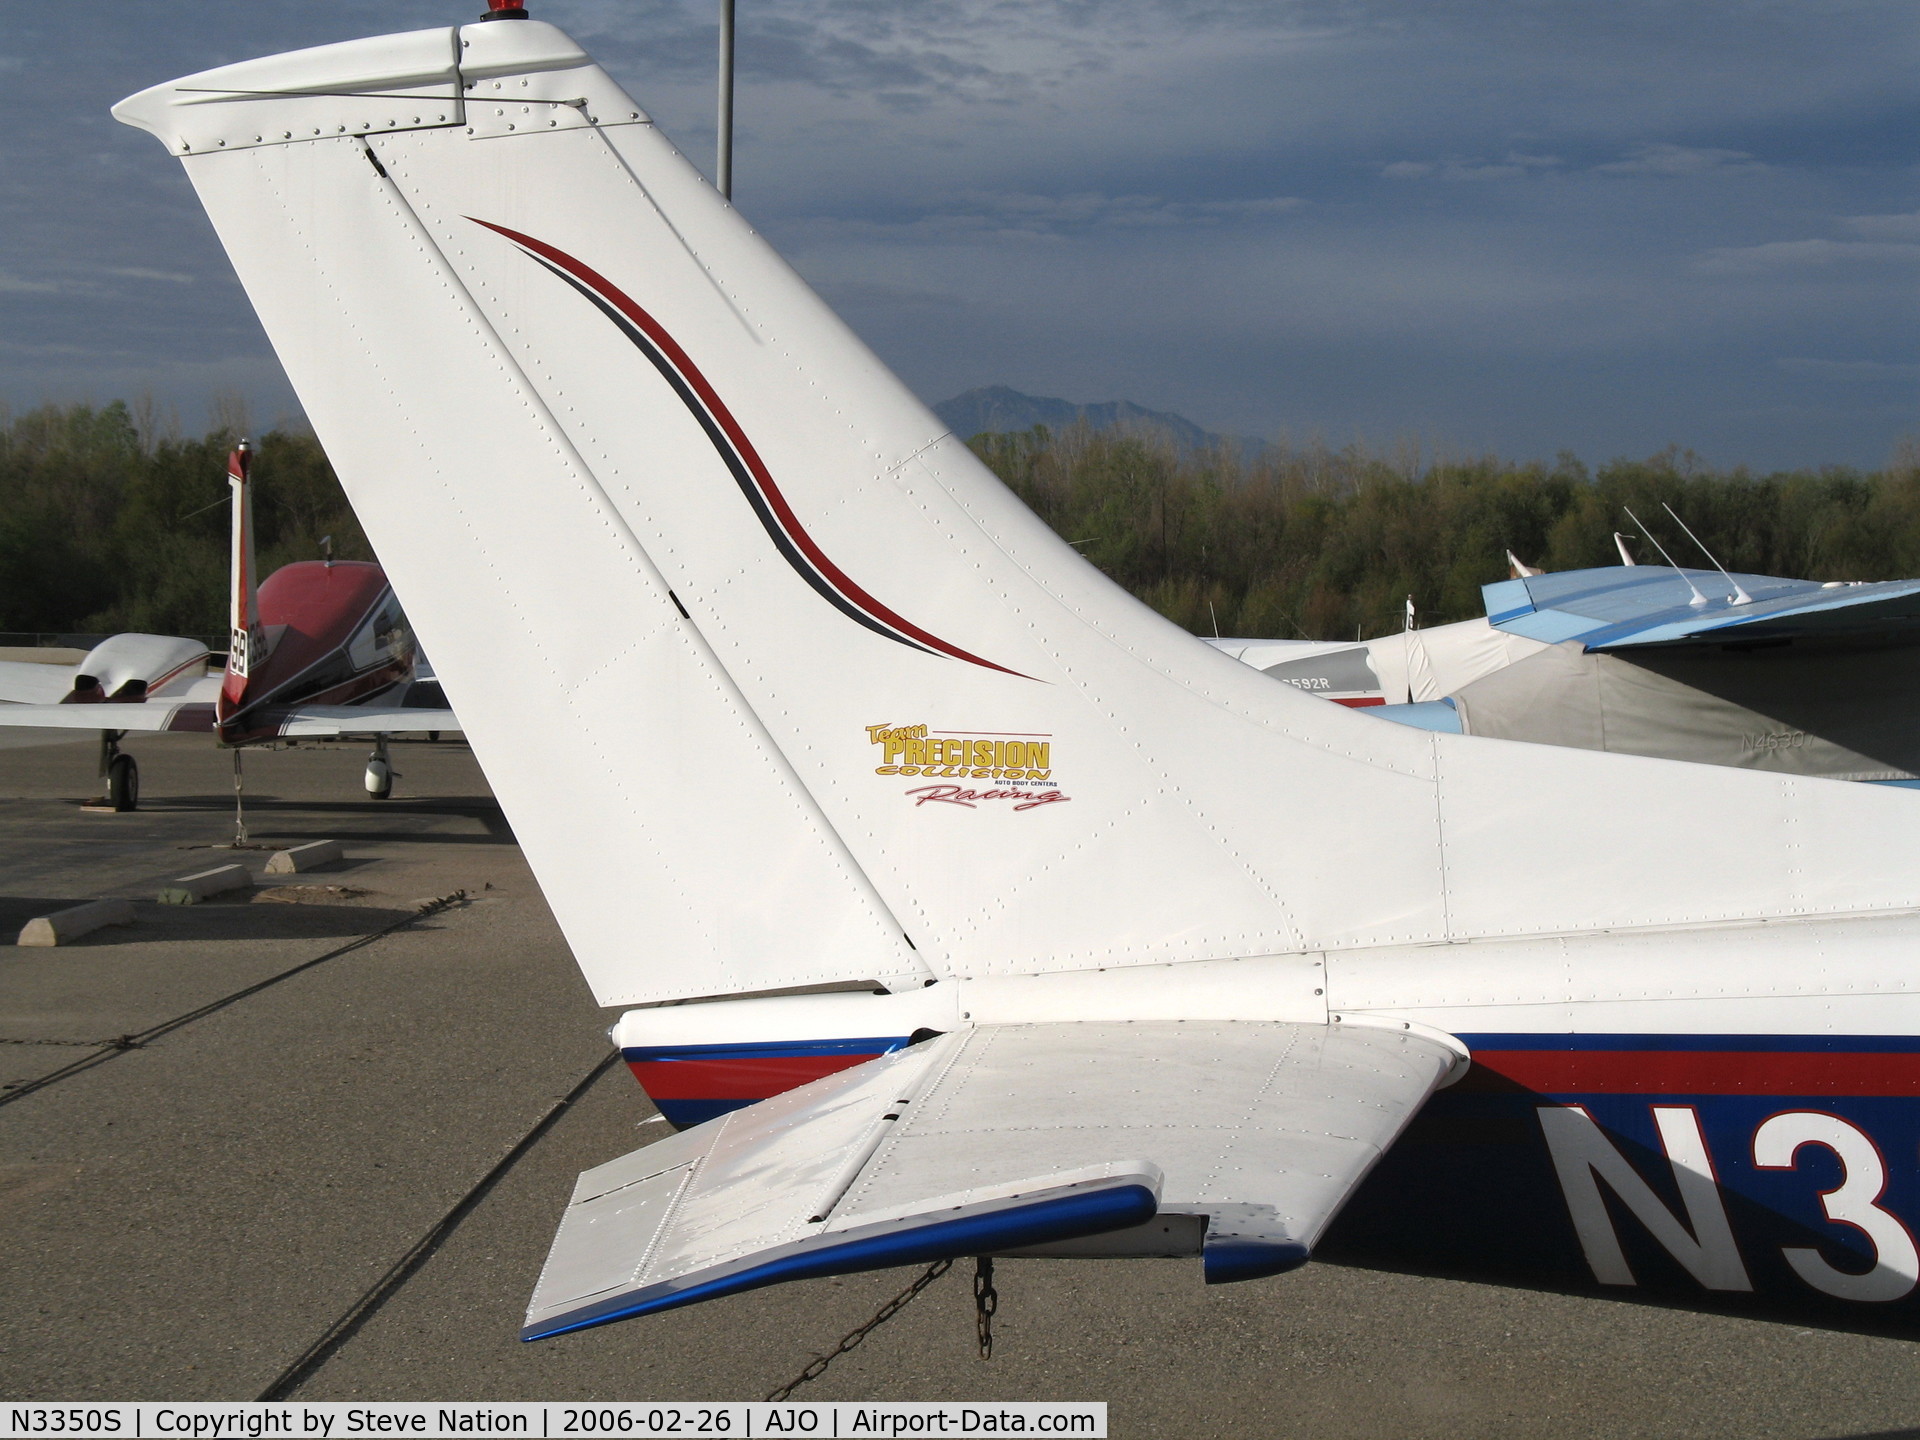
[336,635]
[1705,1114]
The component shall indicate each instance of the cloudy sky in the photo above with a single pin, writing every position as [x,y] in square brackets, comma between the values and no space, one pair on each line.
[1605,226]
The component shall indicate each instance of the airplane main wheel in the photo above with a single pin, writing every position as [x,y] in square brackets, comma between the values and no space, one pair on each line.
[379,779]
[123,783]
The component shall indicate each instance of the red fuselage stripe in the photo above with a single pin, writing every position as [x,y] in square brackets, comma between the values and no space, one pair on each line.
[737,437]
[1693,1072]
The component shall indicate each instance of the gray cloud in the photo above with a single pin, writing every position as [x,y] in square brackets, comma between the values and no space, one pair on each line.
[1884,227]
[11,284]
[1018,216]
[1513,167]
[1804,254]
[137,272]
[1872,371]
[868,293]
[1666,159]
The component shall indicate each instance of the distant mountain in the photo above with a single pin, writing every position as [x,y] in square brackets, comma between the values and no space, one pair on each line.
[1001,408]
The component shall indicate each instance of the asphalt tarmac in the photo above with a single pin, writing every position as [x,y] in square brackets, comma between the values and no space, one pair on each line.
[186,1219]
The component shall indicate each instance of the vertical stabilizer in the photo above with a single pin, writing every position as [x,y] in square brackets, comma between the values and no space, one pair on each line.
[246,639]
[777,683]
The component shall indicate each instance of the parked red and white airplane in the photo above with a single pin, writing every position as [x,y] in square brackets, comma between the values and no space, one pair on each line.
[320,649]
[1156,957]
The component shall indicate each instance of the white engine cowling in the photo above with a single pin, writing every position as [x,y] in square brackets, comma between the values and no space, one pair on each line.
[131,667]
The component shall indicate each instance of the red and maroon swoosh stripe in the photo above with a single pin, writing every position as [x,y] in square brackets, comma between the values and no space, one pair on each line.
[790,537]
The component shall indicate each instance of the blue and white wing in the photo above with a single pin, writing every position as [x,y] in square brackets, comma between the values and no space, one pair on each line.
[1622,607]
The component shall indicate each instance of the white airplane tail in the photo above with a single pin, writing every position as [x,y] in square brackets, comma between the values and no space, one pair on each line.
[776,682]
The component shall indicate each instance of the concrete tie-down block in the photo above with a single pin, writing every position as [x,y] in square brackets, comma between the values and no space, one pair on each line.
[304,857]
[70,924]
[192,889]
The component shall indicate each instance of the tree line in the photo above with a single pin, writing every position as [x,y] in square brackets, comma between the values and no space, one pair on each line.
[106,525]
[1310,542]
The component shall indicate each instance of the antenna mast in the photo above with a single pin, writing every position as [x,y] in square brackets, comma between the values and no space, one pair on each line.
[723,157]
[1740,597]
[1698,598]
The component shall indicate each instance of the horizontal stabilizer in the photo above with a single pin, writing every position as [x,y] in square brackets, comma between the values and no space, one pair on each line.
[321,721]
[1617,607]
[1048,1139]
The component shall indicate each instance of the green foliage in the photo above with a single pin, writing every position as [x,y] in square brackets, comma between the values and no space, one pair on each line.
[1323,544]
[103,528]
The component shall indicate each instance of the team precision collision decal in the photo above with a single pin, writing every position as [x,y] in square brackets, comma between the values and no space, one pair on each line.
[736,452]
[969,755]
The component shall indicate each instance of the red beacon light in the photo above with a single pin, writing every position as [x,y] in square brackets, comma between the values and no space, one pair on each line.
[505,10]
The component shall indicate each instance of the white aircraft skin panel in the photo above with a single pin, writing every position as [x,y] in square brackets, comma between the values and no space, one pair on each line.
[666,778]
[1796,975]
[709,511]
[1274,987]
[414,74]
[1183,883]
[1258,761]
[624,1225]
[1737,852]
[551,560]
[24,683]
[583,190]
[1806,962]
[747,1164]
[1861,1016]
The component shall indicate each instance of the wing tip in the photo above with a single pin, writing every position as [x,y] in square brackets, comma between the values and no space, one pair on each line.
[1236,1259]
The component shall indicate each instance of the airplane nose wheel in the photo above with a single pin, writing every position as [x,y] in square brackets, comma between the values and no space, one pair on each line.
[119,771]
[123,783]
[379,776]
